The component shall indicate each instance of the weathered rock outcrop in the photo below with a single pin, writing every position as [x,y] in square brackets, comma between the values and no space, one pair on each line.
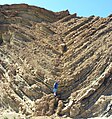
[38,46]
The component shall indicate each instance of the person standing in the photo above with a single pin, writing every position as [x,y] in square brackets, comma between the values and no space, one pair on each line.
[55,88]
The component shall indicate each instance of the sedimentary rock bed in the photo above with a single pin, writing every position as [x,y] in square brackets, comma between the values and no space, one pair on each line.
[38,47]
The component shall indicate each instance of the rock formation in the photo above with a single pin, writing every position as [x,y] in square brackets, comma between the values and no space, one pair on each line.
[38,46]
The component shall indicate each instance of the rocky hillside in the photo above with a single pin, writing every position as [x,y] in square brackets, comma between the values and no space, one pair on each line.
[38,47]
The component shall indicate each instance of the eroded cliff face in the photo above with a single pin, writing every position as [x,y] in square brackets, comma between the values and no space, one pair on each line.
[38,46]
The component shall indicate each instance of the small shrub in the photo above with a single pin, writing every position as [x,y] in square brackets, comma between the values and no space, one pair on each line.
[5,118]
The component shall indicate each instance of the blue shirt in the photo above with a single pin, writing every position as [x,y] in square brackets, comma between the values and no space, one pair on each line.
[56,85]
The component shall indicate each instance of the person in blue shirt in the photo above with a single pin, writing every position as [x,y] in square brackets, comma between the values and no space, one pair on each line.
[55,88]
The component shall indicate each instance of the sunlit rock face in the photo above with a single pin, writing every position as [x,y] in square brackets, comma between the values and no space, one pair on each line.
[38,47]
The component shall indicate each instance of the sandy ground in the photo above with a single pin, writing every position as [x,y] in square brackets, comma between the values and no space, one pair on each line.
[6,114]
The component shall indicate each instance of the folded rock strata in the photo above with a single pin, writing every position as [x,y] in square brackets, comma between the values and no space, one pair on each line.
[38,46]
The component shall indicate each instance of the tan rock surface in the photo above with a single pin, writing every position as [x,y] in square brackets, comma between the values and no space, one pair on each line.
[37,47]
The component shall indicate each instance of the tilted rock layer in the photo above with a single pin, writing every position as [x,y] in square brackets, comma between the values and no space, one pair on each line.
[38,47]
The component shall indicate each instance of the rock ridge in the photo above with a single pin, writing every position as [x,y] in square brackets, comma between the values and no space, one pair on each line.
[38,47]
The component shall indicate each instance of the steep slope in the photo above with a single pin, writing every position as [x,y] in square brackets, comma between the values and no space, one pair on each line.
[38,46]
